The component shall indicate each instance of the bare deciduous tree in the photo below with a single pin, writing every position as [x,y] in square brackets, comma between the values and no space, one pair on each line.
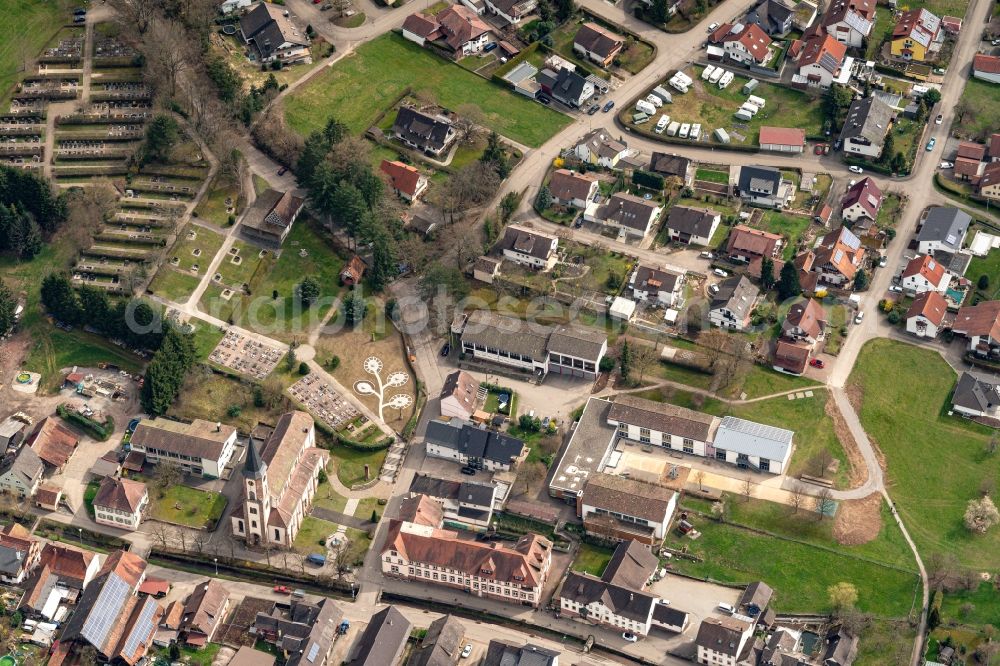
[168,51]
[699,478]
[746,488]
[470,117]
[824,503]
[162,534]
[530,475]
[796,496]
[134,15]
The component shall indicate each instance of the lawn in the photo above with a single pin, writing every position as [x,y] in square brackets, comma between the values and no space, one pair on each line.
[369,80]
[206,338]
[683,375]
[904,392]
[892,208]
[761,381]
[173,285]
[199,249]
[712,176]
[350,464]
[209,396]
[981,103]
[602,264]
[245,265]
[312,533]
[30,27]
[184,505]
[213,206]
[328,498]
[814,429]
[365,507]
[790,226]
[195,657]
[984,609]
[838,316]
[988,266]
[358,543]
[800,571]
[885,642]
[591,559]
[704,103]
[633,59]
[55,349]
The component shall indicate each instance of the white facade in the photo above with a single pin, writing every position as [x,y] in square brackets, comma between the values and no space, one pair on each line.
[918,284]
[438,451]
[664,439]
[723,317]
[531,260]
[197,466]
[659,527]
[513,17]
[123,520]
[512,360]
[921,326]
[851,30]
[598,613]
[669,299]
[859,146]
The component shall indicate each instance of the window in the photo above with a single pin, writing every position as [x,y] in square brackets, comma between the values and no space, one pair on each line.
[253,523]
[720,454]
[765,465]
[239,526]
[277,534]
[253,511]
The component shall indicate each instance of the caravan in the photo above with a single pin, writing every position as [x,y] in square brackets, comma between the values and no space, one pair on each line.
[685,130]
[722,135]
[662,123]
[663,94]
[672,129]
[716,75]
[726,79]
[743,115]
[750,108]
[654,100]
[708,72]
[756,101]
[695,132]
[645,107]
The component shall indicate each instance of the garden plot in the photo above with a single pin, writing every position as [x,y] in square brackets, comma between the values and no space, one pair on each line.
[246,355]
[324,401]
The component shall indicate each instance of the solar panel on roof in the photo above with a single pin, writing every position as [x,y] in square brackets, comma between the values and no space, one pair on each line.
[107,608]
[313,651]
[142,629]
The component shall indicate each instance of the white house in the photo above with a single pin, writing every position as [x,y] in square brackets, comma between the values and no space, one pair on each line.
[862,200]
[120,503]
[850,22]
[232,5]
[733,303]
[626,213]
[923,273]
[823,61]
[720,640]
[471,445]
[570,188]
[750,445]
[663,287]
[21,472]
[511,10]
[530,248]
[622,509]
[868,121]
[201,448]
[943,229]
[598,147]
[459,395]
[926,315]
[986,67]
[747,44]
[271,35]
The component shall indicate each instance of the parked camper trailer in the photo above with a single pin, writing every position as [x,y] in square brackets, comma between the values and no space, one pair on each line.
[708,72]
[645,107]
[662,123]
[756,101]
[695,132]
[672,128]
[750,108]
[722,135]
[743,115]
[750,86]
[654,100]
[717,74]
[685,130]
[663,94]
[639,117]
[726,79]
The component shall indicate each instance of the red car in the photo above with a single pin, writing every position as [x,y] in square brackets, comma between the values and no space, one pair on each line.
[817,363]
[282,589]
[821,149]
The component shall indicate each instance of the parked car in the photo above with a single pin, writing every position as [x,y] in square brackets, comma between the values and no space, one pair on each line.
[489,47]
[594,108]
[939,119]
[855,169]
[713,27]
[299,594]
[821,149]
[467,651]
[817,363]
[947,165]
[930,144]
[895,288]
[721,273]
[282,589]
[79,19]
[282,171]
[610,104]
[79,11]
[446,349]
[630,637]
[714,289]
[882,262]
[543,99]
[468,471]
[326,7]
[316,558]
[859,317]
[726,608]
[706,255]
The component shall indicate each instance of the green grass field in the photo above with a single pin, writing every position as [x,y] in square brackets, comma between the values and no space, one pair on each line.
[30,26]
[350,464]
[985,608]
[801,570]
[313,531]
[988,266]
[205,242]
[591,559]
[184,505]
[981,102]
[761,381]
[173,285]
[789,226]
[935,463]
[366,82]
[213,207]
[55,349]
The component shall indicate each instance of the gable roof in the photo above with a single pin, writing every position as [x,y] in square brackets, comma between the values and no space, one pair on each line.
[462,386]
[670,165]
[865,193]
[824,50]
[806,315]
[491,329]
[70,564]
[631,565]
[744,239]
[460,25]
[971,150]
[315,647]
[602,144]
[991,175]
[759,179]
[753,439]
[527,241]
[585,589]
[791,356]
[931,305]
[980,320]
[841,251]
[268,28]
[752,38]
[421,25]
[120,494]
[782,136]
[693,221]
[566,184]
[596,39]
[976,391]
[500,653]
[198,439]
[474,441]
[663,417]
[578,341]
[926,267]
[441,645]
[421,129]
[636,498]
[652,279]
[736,294]
[722,634]
[204,609]
[917,24]
[945,225]
[25,465]
[402,177]
[867,119]
[628,210]
[382,640]
[569,85]
[53,443]
[987,64]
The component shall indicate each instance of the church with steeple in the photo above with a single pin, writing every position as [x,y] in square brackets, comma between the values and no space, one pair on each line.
[280,477]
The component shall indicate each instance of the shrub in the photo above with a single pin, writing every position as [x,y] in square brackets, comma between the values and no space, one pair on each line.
[234,411]
[303,368]
[893,317]
[983,283]
[607,364]
[334,363]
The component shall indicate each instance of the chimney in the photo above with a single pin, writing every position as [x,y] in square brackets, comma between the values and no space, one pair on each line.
[218,426]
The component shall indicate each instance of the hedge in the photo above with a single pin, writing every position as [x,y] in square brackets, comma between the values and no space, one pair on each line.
[365,446]
[100,431]
[75,535]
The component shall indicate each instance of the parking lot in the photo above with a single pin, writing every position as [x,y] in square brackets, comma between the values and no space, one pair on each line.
[698,599]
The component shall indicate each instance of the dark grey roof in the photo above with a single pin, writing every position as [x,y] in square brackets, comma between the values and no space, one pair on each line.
[663,417]
[477,494]
[25,465]
[467,492]
[759,180]
[546,78]
[322,633]
[669,165]
[977,392]
[504,654]
[474,441]
[584,589]
[945,225]
[669,615]
[868,119]
[421,129]
[11,560]
[383,639]
[525,241]
[507,334]
[253,466]
[757,595]
[841,647]
[737,294]
[583,343]
[628,210]
[667,280]
[693,221]
[569,87]
[721,634]
[631,565]
[442,644]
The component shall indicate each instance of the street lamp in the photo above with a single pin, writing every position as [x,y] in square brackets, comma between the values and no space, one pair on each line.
[216,560]
[352,590]
[80,532]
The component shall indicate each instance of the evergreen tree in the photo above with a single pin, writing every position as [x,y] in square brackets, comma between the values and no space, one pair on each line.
[383,268]
[161,135]
[767,273]
[659,12]
[165,373]
[544,199]
[788,284]
[97,309]
[369,185]
[860,280]
[888,149]
[32,194]
[349,210]
[496,156]
[625,360]
[308,291]
[565,9]
[8,304]
[60,300]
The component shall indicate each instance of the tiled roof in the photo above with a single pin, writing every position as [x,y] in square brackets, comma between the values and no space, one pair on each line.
[808,316]
[526,241]
[931,305]
[972,150]
[744,239]
[460,25]
[824,50]
[979,320]
[120,494]
[792,356]
[198,439]
[986,63]
[865,193]
[204,609]
[655,280]
[53,443]
[403,177]
[753,40]
[596,39]
[926,267]
[566,184]
[917,24]
[618,494]
[662,417]
[722,634]
[782,136]
[628,210]
[693,221]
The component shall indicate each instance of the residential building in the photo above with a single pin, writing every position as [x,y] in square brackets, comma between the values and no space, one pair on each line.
[969,161]
[755,599]
[790,357]
[745,243]
[532,347]
[732,305]
[841,647]
[622,509]
[204,610]
[923,273]
[675,166]
[11,432]
[19,554]
[862,201]
[868,121]
[993,152]
[989,182]
[763,187]
[120,503]
[405,180]
[747,44]
[662,287]
[523,80]
[597,147]
[926,315]
[201,448]
[21,472]
[272,215]
[665,425]
[597,44]
[527,247]
[466,504]
[850,21]
[977,395]
[511,10]
[570,188]
[750,445]
[986,67]
[672,619]
[59,576]
[499,653]
[980,323]
[456,29]
[782,139]
[247,656]
[486,269]
[432,135]
[280,476]
[305,633]
[382,641]
[459,395]
[722,641]
[615,599]
[943,229]
[53,443]
[823,61]
[839,257]
[571,88]
[228,6]
[272,37]
[917,36]
[111,617]
[694,226]
[626,213]
[441,645]
[774,17]
[429,554]
[472,445]
[805,322]
[48,497]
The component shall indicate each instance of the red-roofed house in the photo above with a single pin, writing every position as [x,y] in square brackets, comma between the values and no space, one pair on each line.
[824,215]
[745,243]
[981,324]
[916,36]
[782,139]
[790,357]
[805,322]
[863,200]
[926,315]
[747,44]
[720,33]
[969,161]
[353,271]
[986,67]
[406,181]
[923,273]
[53,443]
[120,503]
[994,150]
[839,257]
[951,24]
[822,60]
[456,29]
[989,182]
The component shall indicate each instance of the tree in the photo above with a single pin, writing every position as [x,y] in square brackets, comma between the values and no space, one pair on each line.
[699,478]
[544,198]
[8,304]
[843,596]
[861,280]
[983,283]
[625,360]
[384,267]
[991,446]
[441,280]
[354,308]
[981,515]
[767,278]
[565,9]
[161,135]
[898,165]
[820,462]
[607,364]
[746,488]
[88,656]
[659,12]
[824,503]
[374,518]
[719,510]
[303,368]
[836,100]
[643,357]
[165,373]
[308,290]
[529,423]
[941,567]
[932,96]
[788,284]
[796,496]
[530,474]
[888,148]
[167,474]
[291,359]
[495,156]
[162,533]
